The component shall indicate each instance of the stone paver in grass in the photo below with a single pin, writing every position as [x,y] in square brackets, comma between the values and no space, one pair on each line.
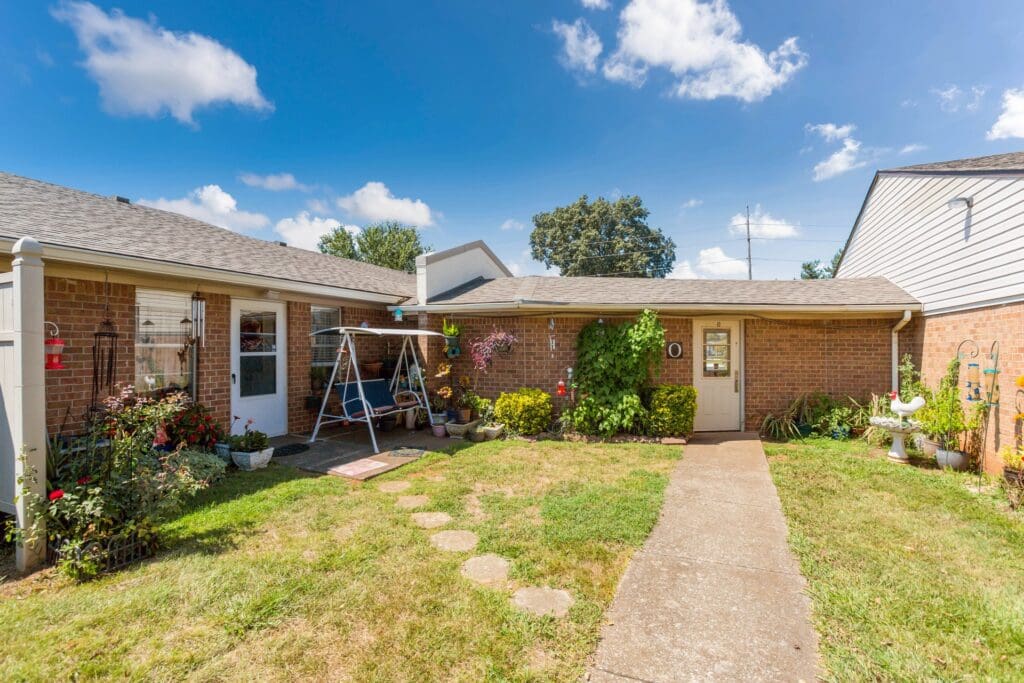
[487,569]
[543,601]
[410,502]
[394,486]
[431,520]
[454,541]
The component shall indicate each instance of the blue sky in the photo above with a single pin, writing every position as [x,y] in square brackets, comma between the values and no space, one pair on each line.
[279,119]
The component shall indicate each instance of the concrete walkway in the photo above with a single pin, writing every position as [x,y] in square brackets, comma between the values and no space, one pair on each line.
[715,593]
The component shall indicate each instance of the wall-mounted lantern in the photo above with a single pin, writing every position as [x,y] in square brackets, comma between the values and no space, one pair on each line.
[54,349]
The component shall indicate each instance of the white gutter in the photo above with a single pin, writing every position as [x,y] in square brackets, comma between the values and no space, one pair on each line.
[625,308]
[896,352]
[133,263]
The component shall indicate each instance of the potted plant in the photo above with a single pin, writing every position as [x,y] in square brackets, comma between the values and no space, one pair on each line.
[946,422]
[451,332]
[1013,464]
[250,450]
[489,428]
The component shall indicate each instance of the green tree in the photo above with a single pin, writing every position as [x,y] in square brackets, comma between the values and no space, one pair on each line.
[813,270]
[389,244]
[602,238]
[338,242]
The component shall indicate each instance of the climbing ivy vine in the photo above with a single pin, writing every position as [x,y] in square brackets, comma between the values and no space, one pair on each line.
[613,363]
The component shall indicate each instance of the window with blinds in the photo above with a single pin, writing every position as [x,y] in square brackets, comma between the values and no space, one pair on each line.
[325,346]
[162,326]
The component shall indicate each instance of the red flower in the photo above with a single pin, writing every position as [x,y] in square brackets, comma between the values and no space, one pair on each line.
[82,481]
[56,494]
[161,436]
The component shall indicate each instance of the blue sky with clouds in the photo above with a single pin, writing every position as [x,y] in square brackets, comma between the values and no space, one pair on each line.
[283,119]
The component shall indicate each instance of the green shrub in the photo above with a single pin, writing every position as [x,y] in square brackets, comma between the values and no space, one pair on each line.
[671,408]
[526,411]
[613,363]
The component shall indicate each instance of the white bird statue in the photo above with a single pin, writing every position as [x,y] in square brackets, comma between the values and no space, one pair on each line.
[905,410]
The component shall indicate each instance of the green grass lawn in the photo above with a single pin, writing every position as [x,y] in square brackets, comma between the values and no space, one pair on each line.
[912,576]
[278,575]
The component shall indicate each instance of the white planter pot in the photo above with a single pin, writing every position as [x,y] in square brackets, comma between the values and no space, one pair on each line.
[253,460]
[956,460]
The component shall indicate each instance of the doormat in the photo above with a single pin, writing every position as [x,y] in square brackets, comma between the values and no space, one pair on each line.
[367,468]
[290,449]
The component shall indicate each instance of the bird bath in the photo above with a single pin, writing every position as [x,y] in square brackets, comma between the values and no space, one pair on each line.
[899,427]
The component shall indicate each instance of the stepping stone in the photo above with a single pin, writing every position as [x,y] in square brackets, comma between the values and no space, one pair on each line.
[394,486]
[431,520]
[454,541]
[543,601]
[487,569]
[410,502]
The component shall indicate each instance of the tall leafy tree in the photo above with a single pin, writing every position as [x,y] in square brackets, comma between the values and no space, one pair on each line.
[814,270]
[389,244]
[602,238]
[338,242]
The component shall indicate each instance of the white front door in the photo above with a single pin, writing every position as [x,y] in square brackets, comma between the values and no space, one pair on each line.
[259,381]
[716,374]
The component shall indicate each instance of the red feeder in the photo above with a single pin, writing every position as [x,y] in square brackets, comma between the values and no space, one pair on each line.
[54,347]
[561,387]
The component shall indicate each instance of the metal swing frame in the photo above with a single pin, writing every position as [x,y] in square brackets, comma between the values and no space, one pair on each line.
[408,360]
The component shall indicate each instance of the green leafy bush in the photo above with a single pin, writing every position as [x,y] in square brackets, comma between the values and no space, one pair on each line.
[671,409]
[613,363]
[525,411]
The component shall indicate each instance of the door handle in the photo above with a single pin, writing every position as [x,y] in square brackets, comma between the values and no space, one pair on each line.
[232,378]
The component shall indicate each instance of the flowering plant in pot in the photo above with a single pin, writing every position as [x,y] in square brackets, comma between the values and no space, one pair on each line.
[451,332]
[250,450]
[484,350]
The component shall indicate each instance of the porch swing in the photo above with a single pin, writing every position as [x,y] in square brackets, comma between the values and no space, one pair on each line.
[367,400]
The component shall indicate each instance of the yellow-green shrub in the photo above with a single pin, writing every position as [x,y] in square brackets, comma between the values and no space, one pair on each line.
[526,411]
[670,409]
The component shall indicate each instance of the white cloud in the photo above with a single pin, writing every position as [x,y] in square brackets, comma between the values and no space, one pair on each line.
[713,262]
[846,158]
[275,182]
[692,203]
[304,231]
[145,69]
[831,132]
[512,224]
[580,45]
[374,202]
[595,4]
[318,206]
[700,44]
[952,98]
[212,205]
[683,271]
[526,265]
[912,148]
[762,224]
[1010,123]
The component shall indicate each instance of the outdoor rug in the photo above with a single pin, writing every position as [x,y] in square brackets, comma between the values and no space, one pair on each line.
[367,468]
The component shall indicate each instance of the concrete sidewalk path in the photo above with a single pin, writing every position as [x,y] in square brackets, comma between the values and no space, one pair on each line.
[715,593]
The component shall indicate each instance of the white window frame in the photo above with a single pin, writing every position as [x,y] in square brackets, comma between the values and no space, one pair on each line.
[321,341]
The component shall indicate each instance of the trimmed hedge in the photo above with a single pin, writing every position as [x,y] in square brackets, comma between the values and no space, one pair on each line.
[671,408]
[525,411]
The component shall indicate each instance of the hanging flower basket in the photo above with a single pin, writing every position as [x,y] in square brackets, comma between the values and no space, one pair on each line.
[451,347]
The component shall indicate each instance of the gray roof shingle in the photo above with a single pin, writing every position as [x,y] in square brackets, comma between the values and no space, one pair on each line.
[65,217]
[583,291]
[1000,163]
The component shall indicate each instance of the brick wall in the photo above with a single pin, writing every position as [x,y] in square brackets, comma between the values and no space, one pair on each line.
[785,358]
[77,308]
[214,368]
[932,342]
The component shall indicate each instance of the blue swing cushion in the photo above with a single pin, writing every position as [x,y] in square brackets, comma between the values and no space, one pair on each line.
[378,396]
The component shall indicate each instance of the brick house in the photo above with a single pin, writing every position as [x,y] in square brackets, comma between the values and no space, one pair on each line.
[951,234]
[758,343]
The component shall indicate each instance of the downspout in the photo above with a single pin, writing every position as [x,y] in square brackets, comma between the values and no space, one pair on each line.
[896,351]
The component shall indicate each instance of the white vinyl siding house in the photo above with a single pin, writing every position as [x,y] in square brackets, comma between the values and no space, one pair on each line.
[947,255]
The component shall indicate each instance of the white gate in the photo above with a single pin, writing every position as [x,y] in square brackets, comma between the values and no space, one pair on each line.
[8,453]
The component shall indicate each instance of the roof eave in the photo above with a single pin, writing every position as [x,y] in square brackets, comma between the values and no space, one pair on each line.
[512,306]
[97,259]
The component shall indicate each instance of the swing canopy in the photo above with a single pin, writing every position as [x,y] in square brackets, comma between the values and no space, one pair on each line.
[367,400]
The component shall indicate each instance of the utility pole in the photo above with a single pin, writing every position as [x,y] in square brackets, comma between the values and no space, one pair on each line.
[750,261]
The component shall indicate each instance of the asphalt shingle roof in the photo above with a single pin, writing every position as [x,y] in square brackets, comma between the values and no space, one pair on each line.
[582,291]
[66,217]
[1014,161]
